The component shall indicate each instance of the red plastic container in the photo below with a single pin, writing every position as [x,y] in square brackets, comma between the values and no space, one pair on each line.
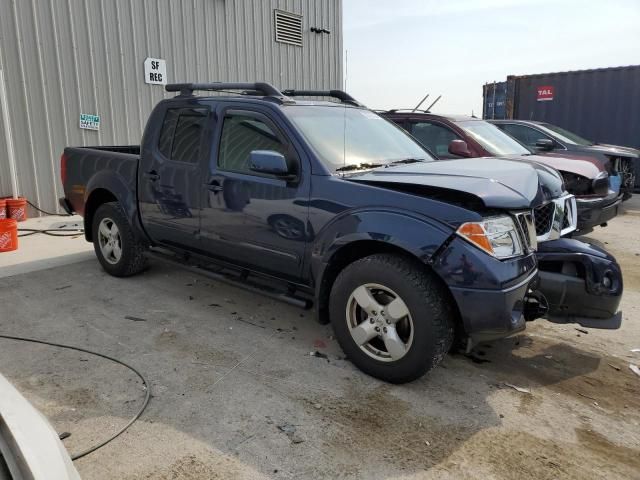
[8,235]
[3,208]
[17,208]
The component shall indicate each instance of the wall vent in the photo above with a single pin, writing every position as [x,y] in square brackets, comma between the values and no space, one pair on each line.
[288,27]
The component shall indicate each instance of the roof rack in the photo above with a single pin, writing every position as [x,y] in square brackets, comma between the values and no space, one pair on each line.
[394,110]
[344,97]
[259,88]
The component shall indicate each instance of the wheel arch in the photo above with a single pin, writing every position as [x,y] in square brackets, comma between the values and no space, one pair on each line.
[107,186]
[356,250]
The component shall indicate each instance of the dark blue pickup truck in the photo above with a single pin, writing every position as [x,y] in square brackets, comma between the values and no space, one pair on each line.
[325,203]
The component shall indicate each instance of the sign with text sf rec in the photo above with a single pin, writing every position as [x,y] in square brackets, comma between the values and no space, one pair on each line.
[89,121]
[545,93]
[155,71]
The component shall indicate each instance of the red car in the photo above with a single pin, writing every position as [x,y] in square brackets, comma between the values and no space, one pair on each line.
[459,136]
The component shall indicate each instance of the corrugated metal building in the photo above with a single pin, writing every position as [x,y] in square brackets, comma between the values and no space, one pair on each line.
[600,104]
[64,58]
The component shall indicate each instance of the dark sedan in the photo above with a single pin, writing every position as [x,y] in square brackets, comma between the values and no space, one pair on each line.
[551,139]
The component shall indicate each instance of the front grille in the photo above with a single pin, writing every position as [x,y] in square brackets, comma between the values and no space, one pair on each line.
[566,222]
[543,217]
[525,230]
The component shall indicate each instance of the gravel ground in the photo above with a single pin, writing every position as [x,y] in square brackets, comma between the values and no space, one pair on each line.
[237,395]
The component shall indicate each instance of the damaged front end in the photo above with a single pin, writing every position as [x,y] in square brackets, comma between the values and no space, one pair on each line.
[580,283]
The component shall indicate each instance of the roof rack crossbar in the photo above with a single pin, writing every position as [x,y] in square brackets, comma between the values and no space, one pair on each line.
[187,89]
[341,95]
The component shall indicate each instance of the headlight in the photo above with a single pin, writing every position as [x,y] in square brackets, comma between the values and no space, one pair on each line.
[497,236]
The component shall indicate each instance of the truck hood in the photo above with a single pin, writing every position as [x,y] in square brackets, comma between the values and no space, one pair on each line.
[496,182]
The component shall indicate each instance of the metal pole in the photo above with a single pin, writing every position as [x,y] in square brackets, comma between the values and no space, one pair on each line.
[8,136]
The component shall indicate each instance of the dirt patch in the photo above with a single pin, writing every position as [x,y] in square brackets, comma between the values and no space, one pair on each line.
[188,347]
[522,455]
[191,467]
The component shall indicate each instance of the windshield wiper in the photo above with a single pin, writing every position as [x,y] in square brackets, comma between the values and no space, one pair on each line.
[358,166]
[407,160]
[367,166]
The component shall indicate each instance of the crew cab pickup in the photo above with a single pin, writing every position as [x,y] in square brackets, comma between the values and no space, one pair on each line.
[327,203]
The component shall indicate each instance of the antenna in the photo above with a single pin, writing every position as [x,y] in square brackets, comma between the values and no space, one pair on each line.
[421,102]
[346,68]
[434,102]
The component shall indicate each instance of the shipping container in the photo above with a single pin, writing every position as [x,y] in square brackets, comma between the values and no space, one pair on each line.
[602,104]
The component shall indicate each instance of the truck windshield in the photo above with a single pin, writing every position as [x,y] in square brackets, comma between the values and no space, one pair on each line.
[494,140]
[565,135]
[347,138]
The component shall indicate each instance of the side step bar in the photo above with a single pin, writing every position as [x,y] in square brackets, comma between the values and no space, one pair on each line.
[241,281]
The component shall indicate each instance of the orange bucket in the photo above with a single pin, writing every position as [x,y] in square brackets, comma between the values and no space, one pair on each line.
[3,208]
[17,208]
[8,235]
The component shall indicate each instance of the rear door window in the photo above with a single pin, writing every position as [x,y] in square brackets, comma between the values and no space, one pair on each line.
[435,137]
[181,134]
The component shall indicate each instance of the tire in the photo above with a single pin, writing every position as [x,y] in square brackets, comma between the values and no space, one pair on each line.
[125,257]
[426,333]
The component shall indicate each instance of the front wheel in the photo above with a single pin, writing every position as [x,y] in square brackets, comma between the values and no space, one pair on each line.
[391,317]
[117,249]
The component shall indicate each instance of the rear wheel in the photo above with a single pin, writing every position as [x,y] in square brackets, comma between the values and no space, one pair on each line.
[391,317]
[117,249]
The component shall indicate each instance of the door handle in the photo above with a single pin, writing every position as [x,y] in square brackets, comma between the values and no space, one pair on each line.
[214,186]
[152,175]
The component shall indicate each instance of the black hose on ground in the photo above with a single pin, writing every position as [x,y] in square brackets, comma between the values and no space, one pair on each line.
[47,231]
[48,213]
[147,396]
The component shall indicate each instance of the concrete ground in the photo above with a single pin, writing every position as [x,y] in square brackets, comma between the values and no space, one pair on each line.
[230,370]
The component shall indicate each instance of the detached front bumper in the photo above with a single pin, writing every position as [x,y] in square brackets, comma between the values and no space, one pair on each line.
[592,213]
[581,283]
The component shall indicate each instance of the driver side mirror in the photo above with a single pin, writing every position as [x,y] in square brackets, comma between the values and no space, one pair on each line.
[545,144]
[268,162]
[460,148]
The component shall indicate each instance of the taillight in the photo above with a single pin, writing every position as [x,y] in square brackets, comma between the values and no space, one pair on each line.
[63,168]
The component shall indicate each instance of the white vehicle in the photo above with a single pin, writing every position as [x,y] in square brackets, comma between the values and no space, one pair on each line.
[29,447]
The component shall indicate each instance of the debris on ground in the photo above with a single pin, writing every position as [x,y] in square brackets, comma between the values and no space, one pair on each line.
[214,304]
[582,330]
[319,343]
[135,319]
[317,406]
[635,350]
[318,354]
[476,359]
[290,431]
[587,396]
[64,435]
[63,287]
[613,366]
[427,443]
[635,369]
[519,389]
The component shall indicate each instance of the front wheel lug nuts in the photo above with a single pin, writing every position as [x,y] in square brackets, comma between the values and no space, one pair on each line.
[384,329]
[377,329]
[371,320]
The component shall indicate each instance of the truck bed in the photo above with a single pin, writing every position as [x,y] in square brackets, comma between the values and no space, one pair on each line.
[84,168]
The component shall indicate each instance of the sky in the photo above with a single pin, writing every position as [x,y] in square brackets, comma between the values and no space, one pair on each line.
[397,51]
